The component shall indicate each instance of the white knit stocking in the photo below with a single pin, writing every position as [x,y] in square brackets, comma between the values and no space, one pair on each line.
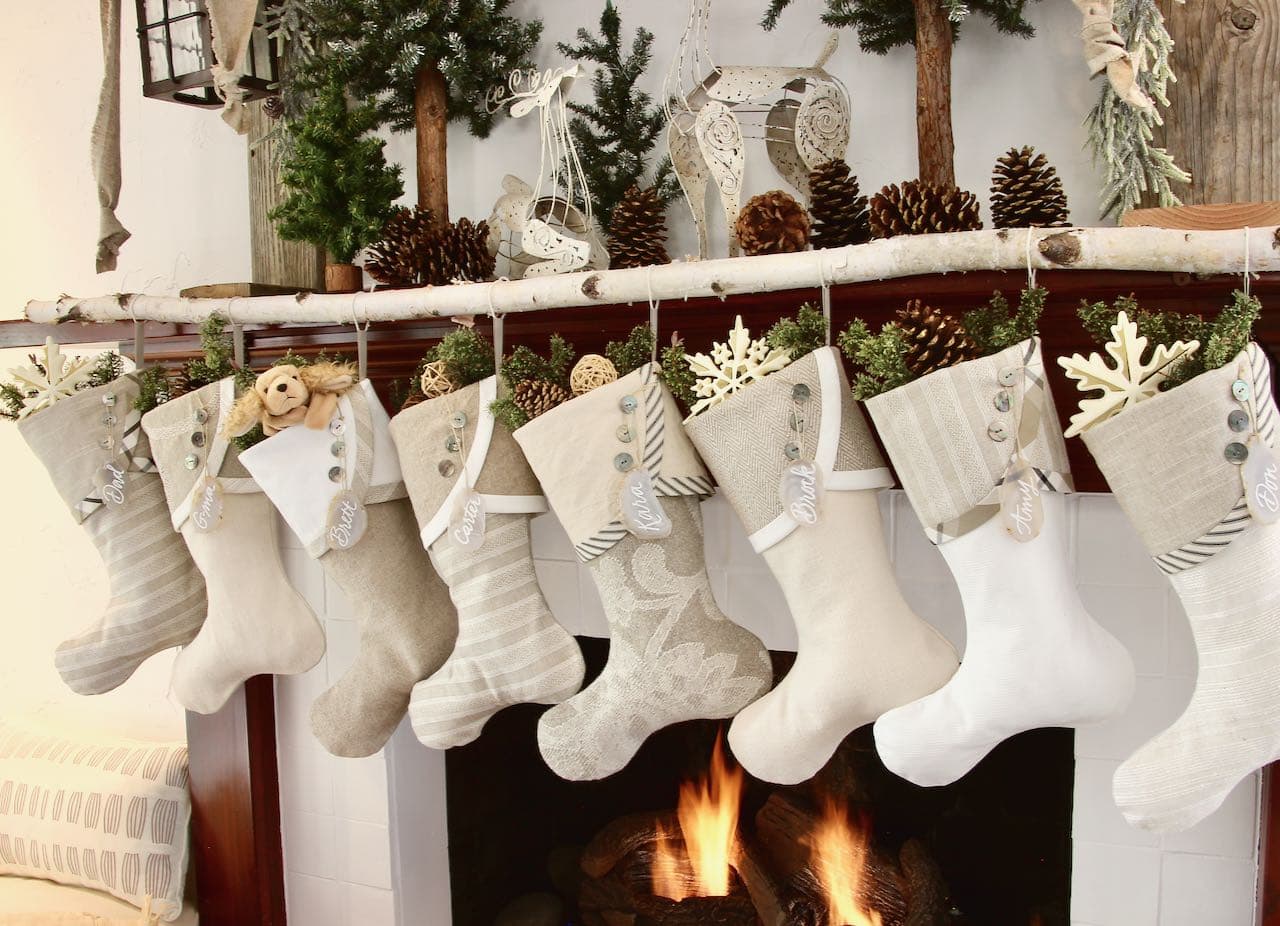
[1034,657]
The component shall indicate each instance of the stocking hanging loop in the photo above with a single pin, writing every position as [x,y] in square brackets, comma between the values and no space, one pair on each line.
[653,316]
[362,341]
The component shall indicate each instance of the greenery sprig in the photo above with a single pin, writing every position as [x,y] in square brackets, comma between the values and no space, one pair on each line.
[995,326]
[800,335]
[632,353]
[676,373]
[524,364]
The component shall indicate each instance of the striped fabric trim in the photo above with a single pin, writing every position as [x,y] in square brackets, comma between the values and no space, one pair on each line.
[137,463]
[1238,519]
[664,486]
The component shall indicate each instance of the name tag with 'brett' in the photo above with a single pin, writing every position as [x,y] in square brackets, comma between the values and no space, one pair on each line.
[347,521]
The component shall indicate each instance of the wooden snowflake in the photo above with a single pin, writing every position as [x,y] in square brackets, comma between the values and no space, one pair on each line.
[734,364]
[1131,380]
[59,379]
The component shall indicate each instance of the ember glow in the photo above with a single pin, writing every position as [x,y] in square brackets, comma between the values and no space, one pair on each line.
[839,853]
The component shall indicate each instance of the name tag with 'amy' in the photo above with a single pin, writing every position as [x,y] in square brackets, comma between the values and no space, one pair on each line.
[642,513]
[1020,504]
[467,526]
[800,491]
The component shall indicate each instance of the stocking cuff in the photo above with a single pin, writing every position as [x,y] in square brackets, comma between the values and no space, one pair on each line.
[434,472]
[303,469]
[186,438]
[744,441]
[581,450]
[67,439]
[952,435]
[1169,459]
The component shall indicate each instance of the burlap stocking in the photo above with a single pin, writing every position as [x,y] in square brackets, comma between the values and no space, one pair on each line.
[257,624]
[861,650]
[1175,463]
[1033,656]
[510,649]
[157,596]
[407,625]
[673,655]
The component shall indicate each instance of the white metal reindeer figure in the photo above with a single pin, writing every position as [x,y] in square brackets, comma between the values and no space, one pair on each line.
[705,134]
[555,235]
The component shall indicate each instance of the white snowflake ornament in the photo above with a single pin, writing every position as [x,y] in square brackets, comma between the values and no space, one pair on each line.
[60,379]
[734,364]
[1130,381]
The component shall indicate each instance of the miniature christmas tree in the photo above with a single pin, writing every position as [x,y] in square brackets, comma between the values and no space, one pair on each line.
[616,133]
[340,187]
[423,63]
[931,26]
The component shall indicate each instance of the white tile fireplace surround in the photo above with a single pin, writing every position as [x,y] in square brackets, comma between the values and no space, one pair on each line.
[364,840]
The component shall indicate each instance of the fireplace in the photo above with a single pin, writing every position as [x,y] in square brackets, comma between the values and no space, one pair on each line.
[684,836]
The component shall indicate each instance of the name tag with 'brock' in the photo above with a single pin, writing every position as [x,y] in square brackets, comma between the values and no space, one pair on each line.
[348,521]
[800,492]
[642,513]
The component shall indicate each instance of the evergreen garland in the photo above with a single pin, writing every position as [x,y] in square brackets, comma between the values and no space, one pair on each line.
[882,25]
[340,187]
[1220,339]
[616,134]
[375,48]
[800,335]
[633,353]
[1121,135]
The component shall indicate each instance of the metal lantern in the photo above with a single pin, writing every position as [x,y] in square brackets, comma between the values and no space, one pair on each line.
[177,53]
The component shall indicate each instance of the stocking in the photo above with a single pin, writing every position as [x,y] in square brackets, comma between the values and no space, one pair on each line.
[1033,657]
[407,625]
[510,649]
[861,650]
[1171,462]
[157,596]
[673,655]
[257,624]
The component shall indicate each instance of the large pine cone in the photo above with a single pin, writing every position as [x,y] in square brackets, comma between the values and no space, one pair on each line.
[415,250]
[918,208]
[839,213]
[1027,193]
[535,396]
[638,230]
[773,223]
[934,341]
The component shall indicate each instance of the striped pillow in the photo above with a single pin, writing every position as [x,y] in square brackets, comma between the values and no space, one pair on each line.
[110,815]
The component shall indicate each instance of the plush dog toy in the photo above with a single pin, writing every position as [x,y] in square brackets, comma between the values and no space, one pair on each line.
[286,395]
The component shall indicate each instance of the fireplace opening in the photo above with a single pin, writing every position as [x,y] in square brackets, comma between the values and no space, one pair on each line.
[684,836]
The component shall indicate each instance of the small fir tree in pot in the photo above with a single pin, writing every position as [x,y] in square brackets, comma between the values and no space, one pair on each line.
[423,63]
[340,187]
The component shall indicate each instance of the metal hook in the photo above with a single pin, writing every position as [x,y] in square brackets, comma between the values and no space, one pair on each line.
[238,355]
[653,315]
[362,341]
[826,301]
[496,317]
[1247,274]
[139,337]
[1031,270]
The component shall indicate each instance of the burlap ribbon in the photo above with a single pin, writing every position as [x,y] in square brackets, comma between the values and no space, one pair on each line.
[1104,48]
[104,144]
[232,24]
[1032,401]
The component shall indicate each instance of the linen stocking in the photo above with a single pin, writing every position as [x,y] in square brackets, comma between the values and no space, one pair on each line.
[861,650]
[510,650]
[673,655]
[157,598]
[407,625]
[1034,657]
[257,624]
[1186,499]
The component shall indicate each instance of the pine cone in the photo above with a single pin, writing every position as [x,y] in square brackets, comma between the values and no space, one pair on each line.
[839,213]
[396,259]
[179,382]
[921,208]
[1026,192]
[535,396]
[773,223]
[934,340]
[273,106]
[638,230]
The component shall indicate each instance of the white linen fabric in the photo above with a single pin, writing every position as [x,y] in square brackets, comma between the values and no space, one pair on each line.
[110,815]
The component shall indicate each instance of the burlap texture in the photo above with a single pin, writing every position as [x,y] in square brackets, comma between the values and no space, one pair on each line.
[742,439]
[936,432]
[572,449]
[1164,457]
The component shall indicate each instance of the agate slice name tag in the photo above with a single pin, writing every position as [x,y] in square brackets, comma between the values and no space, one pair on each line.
[467,526]
[800,491]
[347,521]
[1261,475]
[642,513]
[111,484]
[206,513]
[1021,507]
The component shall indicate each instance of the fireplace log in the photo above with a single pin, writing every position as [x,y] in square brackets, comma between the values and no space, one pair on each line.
[776,902]
[622,837]
[928,900]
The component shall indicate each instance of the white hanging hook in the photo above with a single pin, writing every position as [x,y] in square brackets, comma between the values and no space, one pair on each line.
[1247,274]
[653,315]
[1031,270]
[497,318]
[139,336]
[826,301]
[362,341]
[238,356]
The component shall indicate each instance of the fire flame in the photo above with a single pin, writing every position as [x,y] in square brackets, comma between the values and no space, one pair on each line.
[839,855]
[708,815]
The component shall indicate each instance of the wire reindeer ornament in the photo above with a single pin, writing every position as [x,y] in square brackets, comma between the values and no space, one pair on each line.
[704,103]
[554,234]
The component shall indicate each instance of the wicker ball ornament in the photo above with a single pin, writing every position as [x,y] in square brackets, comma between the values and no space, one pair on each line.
[591,372]
[435,381]
[773,223]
